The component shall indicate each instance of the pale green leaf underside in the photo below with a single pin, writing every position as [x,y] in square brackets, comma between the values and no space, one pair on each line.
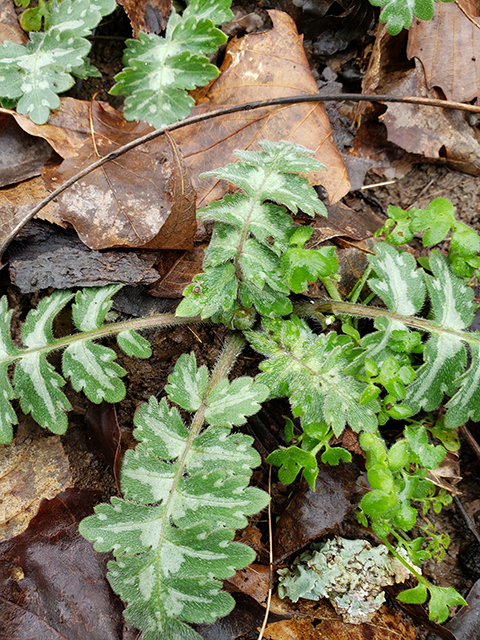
[185,491]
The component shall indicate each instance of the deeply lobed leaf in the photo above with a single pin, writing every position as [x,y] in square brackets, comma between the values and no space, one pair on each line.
[243,261]
[185,490]
[158,70]
[36,73]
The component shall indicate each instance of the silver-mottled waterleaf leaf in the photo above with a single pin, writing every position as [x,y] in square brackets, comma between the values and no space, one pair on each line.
[92,305]
[8,417]
[445,355]
[133,344]
[90,368]
[185,491]
[187,384]
[158,70]
[272,174]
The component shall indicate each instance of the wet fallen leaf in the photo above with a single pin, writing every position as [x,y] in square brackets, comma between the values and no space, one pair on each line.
[443,135]
[68,127]
[310,515]
[44,256]
[16,203]
[318,621]
[448,46]
[261,66]
[142,199]
[33,467]
[176,272]
[52,582]
[23,156]
[344,222]
[146,15]
[253,581]
[440,135]
[10,28]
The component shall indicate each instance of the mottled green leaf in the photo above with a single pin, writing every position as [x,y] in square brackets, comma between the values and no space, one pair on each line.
[158,70]
[92,305]
[90,368]
[309,369]
[185,491]
[134,345]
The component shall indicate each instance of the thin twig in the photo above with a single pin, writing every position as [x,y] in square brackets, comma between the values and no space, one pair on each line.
[270,556]
[466,14]
[248,106]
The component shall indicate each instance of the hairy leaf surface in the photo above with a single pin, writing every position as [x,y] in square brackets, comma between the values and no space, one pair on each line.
[242,264]
[159,70]
[309,368]
[185,491]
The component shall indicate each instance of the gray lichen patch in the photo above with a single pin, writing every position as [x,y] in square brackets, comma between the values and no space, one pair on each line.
[350,573]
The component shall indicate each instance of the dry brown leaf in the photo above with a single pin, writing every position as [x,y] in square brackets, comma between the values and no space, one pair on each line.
[449,49]
[16,203]
[33,467]
[319,621]
[430,132]
[10,28]
[176,272]
[262,66]
[68,127]
[253,581]
[144,198]
[146,15]
[441,135]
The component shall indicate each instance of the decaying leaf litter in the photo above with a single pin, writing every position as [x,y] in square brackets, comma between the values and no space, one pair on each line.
[331,68]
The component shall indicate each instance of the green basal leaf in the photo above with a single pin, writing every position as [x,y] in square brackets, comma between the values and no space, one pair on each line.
[91,370]
[37,385]
[134,345]
[436,221]
[417,595]
[187,385]
[159,70]
[92,305]
[243,261]
[444,355]
[35,73]
[309,369]
[185,490]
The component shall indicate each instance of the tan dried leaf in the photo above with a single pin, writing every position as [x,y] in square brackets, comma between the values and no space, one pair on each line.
[33,467]
[261,66]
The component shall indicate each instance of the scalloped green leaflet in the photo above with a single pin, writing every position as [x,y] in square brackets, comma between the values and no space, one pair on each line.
[251,233]
[309,368]
[445,355]
[185,490]
[399,13]
[160,70]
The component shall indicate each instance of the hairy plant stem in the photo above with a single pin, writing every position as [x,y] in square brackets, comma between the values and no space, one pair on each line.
[317,309]
[160,320]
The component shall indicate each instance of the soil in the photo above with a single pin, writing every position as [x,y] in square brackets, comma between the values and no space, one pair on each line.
[145,378]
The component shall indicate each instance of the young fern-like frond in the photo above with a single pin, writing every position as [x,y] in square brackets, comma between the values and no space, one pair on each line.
[185,492]
[159,70]
[34,74]
[242,265]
